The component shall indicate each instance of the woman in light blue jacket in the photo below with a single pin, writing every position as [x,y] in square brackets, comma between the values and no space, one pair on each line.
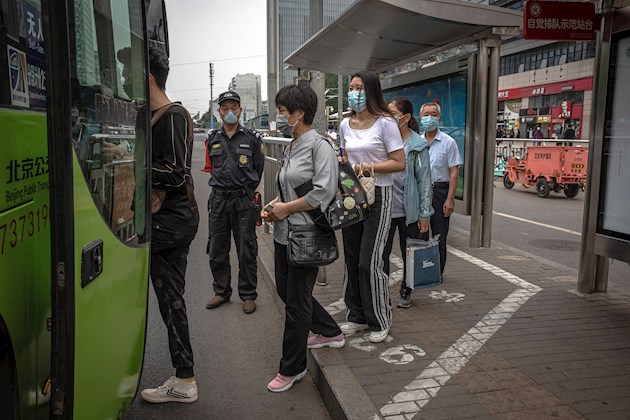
[413,193]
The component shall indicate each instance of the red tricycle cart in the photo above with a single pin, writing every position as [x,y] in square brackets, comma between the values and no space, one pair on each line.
[550,168]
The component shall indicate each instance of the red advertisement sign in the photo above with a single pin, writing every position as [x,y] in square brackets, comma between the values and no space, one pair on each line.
[559,20]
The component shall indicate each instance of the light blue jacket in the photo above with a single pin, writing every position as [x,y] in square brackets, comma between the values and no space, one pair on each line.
[418,189]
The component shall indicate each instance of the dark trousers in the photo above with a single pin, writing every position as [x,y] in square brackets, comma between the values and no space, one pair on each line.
[439,223]
[235,215]
[302,311]
[404,231]
[168,270]
[366,286]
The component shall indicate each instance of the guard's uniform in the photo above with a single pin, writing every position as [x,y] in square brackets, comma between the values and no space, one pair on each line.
[231,209]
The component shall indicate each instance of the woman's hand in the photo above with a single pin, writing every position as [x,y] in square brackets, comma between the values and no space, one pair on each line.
[280,211]
[423,225]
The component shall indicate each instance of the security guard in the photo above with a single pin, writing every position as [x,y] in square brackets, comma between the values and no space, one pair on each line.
[237,166]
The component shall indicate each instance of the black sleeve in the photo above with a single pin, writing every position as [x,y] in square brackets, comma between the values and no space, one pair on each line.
[171,154]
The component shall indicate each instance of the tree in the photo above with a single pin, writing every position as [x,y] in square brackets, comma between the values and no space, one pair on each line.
[204,120]
[196,118]
[332,91]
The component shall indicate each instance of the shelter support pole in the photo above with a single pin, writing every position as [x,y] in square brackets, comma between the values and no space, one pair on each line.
[494,45]
[593,273]
[318,79]
[340,94]
[479,142]
[272,58]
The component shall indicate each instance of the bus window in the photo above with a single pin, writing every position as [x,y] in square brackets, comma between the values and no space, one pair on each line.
[109,100]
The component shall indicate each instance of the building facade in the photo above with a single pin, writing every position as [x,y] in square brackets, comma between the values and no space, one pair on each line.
[294,29]
[546,85]
[248,87]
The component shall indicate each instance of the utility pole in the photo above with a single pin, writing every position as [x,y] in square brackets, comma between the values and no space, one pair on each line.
[211,94]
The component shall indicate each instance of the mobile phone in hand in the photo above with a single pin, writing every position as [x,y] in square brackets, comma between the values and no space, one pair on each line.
[268,208]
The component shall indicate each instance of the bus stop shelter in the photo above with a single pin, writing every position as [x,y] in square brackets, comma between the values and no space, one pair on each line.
[385,36]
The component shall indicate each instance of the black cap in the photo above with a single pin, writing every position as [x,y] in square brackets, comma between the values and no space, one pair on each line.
[229,95]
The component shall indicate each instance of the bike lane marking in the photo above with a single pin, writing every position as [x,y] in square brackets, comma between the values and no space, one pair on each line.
[520,219]
[430,381]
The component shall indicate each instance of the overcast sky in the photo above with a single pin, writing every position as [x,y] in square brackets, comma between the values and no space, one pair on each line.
[217,31]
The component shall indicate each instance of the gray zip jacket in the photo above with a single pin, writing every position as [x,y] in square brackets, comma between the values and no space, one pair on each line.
[309,157]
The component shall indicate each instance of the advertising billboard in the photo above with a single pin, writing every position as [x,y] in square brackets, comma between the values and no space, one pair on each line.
[451,92]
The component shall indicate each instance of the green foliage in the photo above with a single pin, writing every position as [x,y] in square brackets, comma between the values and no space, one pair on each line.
[331,83]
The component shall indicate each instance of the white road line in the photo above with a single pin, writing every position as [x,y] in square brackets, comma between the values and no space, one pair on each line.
[425,386]
[520,219]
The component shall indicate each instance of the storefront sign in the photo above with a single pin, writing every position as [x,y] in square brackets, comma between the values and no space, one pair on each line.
[565,109]
[544,119]
[559,21]
[575,85]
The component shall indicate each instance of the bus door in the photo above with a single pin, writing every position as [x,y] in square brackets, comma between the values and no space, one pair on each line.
[98,137]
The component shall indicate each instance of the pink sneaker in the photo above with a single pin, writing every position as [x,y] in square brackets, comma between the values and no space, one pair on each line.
[318,341]
[281,383]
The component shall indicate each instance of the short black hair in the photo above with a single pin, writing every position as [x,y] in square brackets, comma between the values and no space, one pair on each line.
[158,66]
[331,127]
[294,97]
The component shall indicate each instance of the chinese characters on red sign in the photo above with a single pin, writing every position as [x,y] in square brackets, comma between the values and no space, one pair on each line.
[559,21]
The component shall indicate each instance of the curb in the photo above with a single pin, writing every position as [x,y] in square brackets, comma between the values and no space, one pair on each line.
[341,392]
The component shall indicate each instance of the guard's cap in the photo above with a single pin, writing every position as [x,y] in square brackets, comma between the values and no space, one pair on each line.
[231,95]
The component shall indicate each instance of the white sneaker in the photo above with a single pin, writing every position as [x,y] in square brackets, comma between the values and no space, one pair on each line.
[173,390]
[351,327]
[378,336]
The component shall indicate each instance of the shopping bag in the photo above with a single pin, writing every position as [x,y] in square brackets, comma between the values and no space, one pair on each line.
[423,263]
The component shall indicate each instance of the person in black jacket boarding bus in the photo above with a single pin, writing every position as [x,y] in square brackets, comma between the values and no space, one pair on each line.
[174,226]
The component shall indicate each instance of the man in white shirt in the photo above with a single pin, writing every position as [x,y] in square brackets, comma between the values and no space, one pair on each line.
[445,163]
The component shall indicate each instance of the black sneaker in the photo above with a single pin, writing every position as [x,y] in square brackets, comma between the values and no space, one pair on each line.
[404,301]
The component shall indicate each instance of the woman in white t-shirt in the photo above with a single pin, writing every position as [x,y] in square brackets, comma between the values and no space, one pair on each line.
[370,136]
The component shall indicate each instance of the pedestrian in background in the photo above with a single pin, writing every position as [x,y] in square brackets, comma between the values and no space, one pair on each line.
[370,136]
[309,158]
[413,192]
[237,166]
[174,226]
[445,163]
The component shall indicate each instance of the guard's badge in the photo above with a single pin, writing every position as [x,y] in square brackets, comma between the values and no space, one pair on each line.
[216,145]
[242,159]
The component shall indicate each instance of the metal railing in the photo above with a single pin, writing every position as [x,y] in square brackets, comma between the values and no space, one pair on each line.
[274,151]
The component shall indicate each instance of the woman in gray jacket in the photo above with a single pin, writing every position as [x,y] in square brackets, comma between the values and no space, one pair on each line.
[413,193]
[309,157]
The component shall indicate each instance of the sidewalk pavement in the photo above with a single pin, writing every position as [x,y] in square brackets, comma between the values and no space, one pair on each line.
[505,336]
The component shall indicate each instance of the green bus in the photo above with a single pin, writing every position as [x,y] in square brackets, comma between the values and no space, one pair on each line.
[74,221]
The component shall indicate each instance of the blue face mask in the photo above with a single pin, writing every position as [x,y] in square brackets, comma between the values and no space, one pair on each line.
[429,122]
[357,100]
[230,118]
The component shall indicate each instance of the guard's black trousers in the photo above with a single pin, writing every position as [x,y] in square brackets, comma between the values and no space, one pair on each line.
[229,212]
[168,271]
[302,311]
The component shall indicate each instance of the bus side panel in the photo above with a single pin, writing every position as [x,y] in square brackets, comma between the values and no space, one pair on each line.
[110,314]
[25,252]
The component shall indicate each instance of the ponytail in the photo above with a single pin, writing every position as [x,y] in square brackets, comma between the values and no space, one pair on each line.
[405,106]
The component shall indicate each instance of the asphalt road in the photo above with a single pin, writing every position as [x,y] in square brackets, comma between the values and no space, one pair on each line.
[236,355]
[550,228]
